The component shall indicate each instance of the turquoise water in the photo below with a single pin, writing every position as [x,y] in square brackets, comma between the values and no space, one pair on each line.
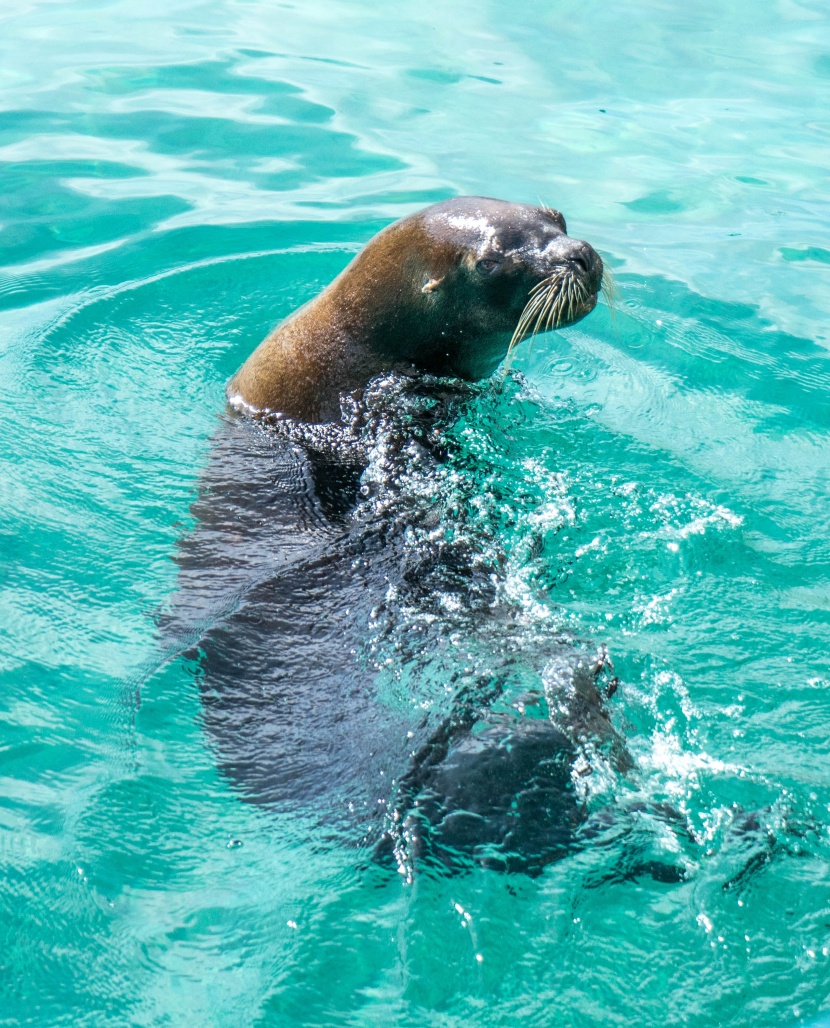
[175,178]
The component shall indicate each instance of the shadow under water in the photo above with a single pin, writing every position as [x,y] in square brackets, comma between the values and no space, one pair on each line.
[346,597]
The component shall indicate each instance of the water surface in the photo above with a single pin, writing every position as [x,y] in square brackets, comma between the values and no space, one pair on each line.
[175,178]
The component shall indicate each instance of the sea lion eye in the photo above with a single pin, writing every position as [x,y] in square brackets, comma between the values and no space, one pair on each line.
[488,264]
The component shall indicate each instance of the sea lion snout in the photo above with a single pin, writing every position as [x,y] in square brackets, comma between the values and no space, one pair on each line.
[578,257]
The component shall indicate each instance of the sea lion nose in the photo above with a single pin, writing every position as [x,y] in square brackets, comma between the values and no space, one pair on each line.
[586,261]
[578,255]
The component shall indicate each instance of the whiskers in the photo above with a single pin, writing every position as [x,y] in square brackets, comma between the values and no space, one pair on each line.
[554,301]
[609,291]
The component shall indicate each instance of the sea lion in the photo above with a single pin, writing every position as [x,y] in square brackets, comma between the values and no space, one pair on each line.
[357,654]
[443,290]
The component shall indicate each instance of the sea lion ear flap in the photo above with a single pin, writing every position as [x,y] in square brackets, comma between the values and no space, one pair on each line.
[431,284]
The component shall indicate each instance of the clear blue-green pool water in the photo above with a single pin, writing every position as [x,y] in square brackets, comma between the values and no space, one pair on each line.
[176,177]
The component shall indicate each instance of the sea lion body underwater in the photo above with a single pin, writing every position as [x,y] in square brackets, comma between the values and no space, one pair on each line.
[356,655]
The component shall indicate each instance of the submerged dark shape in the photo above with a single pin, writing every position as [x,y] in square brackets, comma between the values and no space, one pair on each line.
[503,797]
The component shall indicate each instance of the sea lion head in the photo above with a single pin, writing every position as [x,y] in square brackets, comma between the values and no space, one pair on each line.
[448,290]
[489,273]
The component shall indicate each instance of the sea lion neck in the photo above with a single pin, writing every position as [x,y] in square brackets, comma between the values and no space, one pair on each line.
[385,300]
[374,317]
